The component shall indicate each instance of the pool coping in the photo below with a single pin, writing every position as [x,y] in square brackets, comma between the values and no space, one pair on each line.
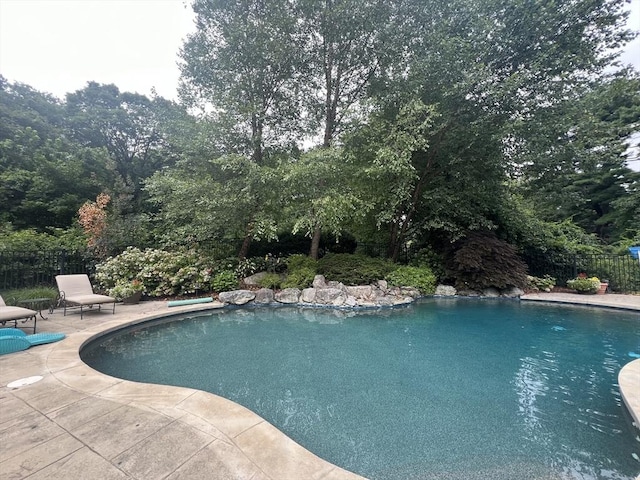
[206,430]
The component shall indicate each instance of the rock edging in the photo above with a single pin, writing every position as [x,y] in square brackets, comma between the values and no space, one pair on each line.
[336,294]
[323,293]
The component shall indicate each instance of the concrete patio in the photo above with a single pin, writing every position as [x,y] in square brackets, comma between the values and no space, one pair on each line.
[79,423]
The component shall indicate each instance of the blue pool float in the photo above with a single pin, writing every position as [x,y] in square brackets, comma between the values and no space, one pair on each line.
[15,340]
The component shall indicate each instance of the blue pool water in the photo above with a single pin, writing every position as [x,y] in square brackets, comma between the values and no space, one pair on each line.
[444,389]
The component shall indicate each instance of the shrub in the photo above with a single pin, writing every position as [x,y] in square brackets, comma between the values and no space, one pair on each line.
[294,262]
[482,260]
[224,281]
[161,272]
[426,257]
[421,278]
[270,280]
[584,285]
[545,283]
[299,278]
[354,269]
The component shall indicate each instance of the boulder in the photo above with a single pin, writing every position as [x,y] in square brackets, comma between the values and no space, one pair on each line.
[288,295]
[445,290]
[254,279]
[512,292]
[364,291]
[264,295]
[330,296]
[237,297]
[491,292]
[308,295]
[319,281]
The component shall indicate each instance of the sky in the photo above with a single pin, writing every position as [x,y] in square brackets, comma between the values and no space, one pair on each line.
[57,46]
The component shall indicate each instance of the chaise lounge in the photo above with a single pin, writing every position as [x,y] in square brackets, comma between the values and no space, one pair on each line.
[8,314]
[76,290]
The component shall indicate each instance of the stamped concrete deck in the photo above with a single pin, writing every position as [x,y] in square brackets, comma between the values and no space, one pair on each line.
[79,423]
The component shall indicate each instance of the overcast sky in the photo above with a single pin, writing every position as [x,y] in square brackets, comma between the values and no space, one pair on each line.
[57,46]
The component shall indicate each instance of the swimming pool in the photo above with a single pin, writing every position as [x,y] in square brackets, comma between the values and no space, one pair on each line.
[442,389]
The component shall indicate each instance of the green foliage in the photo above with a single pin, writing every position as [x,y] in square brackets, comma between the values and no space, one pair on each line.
[481,260]
[162,273]
[354,269]
[270,280]
[421,278]
[30,240]
[297,261]
[125,289]
[301,270]
[545,284]
[14,297]
[428,257]
[224,281]
[301,277]
[584,285]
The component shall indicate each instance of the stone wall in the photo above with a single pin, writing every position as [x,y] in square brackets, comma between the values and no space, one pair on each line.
[336,294]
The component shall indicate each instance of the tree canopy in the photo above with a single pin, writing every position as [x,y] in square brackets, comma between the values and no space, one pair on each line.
[398,121]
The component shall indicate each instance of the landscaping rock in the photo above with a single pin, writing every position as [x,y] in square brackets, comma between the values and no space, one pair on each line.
[445,290]
[491,292]
[288,295]
[319,281]
[469,293]
[264,295]
[512,292]
[254,279]
[308,295]
[237,297]
[330,296]
[364,292]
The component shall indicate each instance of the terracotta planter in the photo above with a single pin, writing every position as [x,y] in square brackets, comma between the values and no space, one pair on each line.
[133,299]
[603,288]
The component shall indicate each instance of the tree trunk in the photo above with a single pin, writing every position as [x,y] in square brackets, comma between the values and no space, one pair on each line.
[315,243]
[244,249]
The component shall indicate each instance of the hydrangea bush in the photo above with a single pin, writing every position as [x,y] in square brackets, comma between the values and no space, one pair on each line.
[162,273]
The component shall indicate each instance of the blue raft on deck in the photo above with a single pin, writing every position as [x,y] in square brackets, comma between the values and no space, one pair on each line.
[15,340]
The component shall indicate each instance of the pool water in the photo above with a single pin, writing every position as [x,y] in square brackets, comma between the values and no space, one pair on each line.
[443,389]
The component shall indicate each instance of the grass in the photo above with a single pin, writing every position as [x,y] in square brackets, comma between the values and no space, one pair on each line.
[14,297]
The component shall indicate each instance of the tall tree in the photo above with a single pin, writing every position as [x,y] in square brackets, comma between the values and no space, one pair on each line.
[241,65]
[38,162]
[127,125]
[575,159]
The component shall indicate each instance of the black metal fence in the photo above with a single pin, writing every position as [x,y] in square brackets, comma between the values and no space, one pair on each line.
[31,269]
[622,271]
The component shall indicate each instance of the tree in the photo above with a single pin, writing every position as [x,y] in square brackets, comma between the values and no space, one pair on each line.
[242,64]
[127,125]
[223,198]
[317,194]
[38,162]
[575,164]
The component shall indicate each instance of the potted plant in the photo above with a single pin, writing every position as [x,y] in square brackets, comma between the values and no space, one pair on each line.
[129,292]
[585,285]
[604,284]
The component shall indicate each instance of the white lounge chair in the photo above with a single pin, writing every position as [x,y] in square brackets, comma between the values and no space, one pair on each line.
[8,314]
[76,290]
